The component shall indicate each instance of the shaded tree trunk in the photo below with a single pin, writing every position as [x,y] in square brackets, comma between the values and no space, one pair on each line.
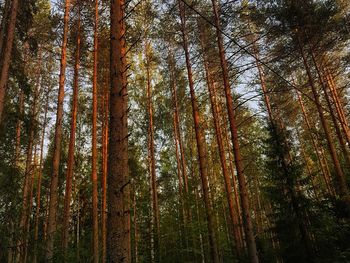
[38,195]
[29,170]
[104,170]
[155,206]
[4,19]
[7,54]
[94,143]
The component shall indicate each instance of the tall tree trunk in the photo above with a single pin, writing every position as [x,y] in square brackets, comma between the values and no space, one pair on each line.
[247,220]
[94,143]
[135,231]
[104,170]
[325,173]
[28,178]
[53,203]
[338,104]
[228,187]
[343,188]
[71,147]
[5,14]
[201,148]
[155,205]
[342,143]
[38,195]
[7,55]
[31,190]
[19,127]
[118,170]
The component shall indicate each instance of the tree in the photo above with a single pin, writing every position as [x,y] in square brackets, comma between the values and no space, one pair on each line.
[118,236]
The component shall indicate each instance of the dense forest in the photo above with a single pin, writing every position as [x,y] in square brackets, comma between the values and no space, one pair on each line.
[175,131]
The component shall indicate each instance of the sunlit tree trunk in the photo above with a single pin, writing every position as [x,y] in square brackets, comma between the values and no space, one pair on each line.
[118,236]
[247,220]
[343,189]
[71,147]
[339,134]
[53,203]
[338,104]
[325,173]
[228,187]
[201,148]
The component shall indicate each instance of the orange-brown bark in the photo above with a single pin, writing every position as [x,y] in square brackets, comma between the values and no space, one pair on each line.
[201,144]
[53,203]
[247,220]
[71,146]
[118,236]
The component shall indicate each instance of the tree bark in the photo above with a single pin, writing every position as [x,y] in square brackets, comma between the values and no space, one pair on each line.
[53,203]
[247,220]
[4,19]
[104,170]
[71,147]
[343,189]
[325,173]
[38,195]
[118,171]
[228,187]
[19,127]
[29,169]
[342,143]
[338,104]
[94,143]
[155,205]
[201,148]
[7,55]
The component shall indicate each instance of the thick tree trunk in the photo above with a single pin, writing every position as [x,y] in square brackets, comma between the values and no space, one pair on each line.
[5,14]
[228,187]
[53,203]
[94,144]
[247,220]
[343,189]
[118,171]
[201,148]
[71,147]
[155,205]
[6,61]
